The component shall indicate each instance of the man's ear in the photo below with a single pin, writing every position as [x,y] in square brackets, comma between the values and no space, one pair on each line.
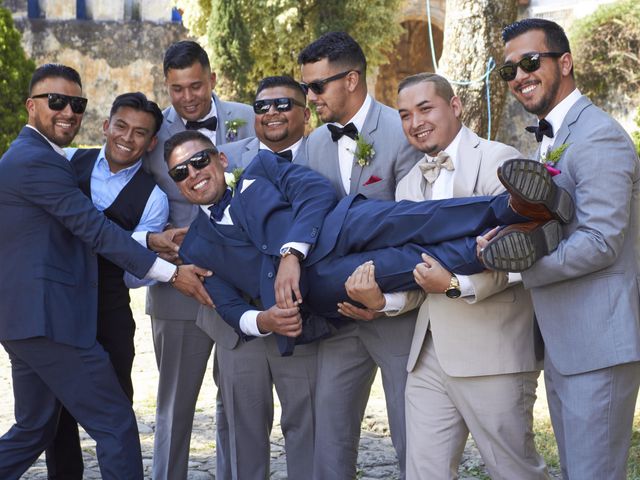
[224,160]
[105,127]
[456,106]
[566,64]
[307,115]
[152,143]
[214,80]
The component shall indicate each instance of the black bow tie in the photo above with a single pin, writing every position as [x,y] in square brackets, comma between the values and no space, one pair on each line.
[217,209]
[286,154]
[543,128]
[337,132]
[209,124]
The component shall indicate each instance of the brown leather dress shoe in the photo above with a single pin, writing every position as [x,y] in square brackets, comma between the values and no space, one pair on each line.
[533,192]
[517,247]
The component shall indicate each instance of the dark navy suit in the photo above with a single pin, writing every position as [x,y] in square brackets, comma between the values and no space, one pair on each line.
[48,306]
[278,202]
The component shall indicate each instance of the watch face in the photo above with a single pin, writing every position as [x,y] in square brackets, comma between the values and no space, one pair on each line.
[453,293]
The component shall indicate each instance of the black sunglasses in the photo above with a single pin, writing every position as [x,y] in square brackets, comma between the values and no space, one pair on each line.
[529,63]
[317,86]
[58,101]
[283,104]
[197,160]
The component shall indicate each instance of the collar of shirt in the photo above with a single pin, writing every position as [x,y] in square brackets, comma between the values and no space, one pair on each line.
[557,115]
[102,166]
[443,186]
[57,148]
[226,216]
[294,148]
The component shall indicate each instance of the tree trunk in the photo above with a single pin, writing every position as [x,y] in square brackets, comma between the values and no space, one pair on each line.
[471,36]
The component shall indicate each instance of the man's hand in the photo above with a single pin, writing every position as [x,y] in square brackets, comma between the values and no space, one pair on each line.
[349,310]
[362,287]
[168,241]
[189,282]
[285,321]
[287,284]
[431,276]
[483,240]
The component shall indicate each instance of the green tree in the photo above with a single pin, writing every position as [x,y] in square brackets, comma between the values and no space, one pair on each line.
[15,73]
[251,39]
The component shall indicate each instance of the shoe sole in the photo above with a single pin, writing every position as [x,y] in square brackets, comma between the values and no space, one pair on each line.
[518,251]
[533,183]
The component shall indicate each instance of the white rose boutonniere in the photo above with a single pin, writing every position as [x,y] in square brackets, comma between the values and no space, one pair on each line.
[232,178]
[364,152]
[232,128]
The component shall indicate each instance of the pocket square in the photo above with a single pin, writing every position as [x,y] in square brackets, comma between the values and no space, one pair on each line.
[372,179]
[246,183]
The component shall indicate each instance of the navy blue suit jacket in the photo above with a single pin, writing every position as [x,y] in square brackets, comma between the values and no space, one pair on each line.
[51,233]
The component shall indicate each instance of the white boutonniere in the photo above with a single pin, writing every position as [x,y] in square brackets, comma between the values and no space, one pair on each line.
[232,127]
[364,152]
[232,178]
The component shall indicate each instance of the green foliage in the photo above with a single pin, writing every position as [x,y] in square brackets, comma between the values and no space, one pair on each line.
[15,73]
[606,50]
[251,39]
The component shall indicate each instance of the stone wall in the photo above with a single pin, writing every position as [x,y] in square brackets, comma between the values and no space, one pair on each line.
[112,58]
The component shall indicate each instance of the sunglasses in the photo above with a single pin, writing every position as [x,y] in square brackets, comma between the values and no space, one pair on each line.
[198,161]
[58,101]
[529,63]
[283,104]
[318,86]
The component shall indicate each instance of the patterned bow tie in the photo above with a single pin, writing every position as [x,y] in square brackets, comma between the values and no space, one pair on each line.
[286,154]
[210,124]
[337,132]
[217,209]
[431,170]
[543,128]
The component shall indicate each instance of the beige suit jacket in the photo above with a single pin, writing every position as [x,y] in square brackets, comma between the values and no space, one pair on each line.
[493,332]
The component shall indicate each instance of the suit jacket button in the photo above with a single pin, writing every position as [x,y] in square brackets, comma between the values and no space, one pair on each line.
[270,274]
[264,247]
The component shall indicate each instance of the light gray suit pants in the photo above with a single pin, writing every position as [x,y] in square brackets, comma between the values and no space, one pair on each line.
[246,376]
[592,417]
[182,352]
[347,365]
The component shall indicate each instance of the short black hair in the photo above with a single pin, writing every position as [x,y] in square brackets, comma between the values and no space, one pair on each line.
[555,37]
[281,81]
[443,88]
[183,54]
[183,137]
[54,70]
[336,47]
[138,101]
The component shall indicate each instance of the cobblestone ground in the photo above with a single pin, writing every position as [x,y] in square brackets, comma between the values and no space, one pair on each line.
[376,456]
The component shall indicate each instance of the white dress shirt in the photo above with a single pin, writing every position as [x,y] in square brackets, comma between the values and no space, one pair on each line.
[556,117]
[347,146]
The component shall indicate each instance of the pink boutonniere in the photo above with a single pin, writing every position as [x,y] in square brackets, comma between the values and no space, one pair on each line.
[552,157]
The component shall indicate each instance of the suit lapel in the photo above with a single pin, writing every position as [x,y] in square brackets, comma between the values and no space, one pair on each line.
[174,122]
[572,117]
[223,113]
[251,150]
[465,177]
[368,131]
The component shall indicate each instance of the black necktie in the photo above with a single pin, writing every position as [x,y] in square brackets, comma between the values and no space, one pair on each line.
[217,209]
[286,154]
[210,124]
[543,128]
[337,132]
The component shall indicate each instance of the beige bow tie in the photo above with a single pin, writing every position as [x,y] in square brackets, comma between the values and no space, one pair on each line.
[431,170]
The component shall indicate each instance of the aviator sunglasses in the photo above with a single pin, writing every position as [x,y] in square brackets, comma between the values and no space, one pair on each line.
[198,161]
[283,104]
[529,63]
[58,101]
[318,86]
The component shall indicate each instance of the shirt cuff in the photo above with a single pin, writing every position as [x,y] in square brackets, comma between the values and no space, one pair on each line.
[394,301]
[249,324]
[161,270]
[141,238]
[303,248]
[466,286]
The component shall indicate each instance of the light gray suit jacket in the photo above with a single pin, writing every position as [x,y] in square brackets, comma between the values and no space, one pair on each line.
[586,294]
[240,154]
[492,332]
[163,301]
[393,159]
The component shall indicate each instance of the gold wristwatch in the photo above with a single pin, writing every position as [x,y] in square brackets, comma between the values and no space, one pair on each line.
[453,290]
